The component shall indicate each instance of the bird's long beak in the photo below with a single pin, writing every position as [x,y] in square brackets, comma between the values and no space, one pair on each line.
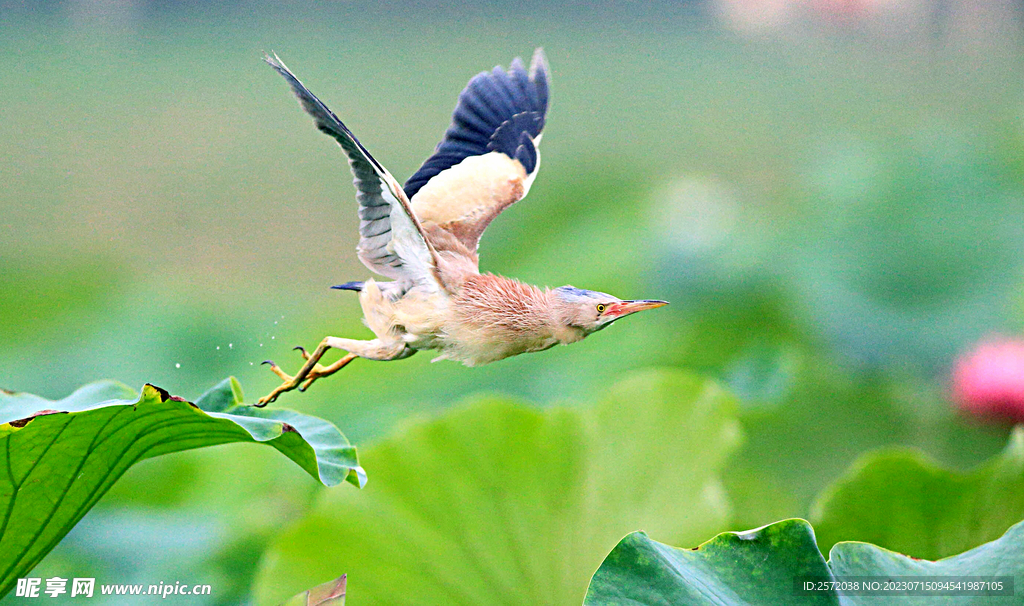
[624,308]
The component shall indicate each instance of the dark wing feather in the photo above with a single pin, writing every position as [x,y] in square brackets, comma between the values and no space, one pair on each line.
[391,239]
[498,111]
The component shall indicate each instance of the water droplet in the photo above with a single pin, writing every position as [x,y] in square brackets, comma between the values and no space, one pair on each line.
[218,347]
[177,365]
[261,344]
[273,337]
[250,363]
[230,345]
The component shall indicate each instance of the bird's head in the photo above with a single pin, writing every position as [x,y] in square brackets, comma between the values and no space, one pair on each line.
[590,311]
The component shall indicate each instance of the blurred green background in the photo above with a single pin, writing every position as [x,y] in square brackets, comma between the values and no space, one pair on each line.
[831,194]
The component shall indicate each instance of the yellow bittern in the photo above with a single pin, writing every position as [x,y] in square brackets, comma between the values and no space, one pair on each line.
[424,238]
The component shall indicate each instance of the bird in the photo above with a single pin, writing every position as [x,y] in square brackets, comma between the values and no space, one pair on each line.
[423,238]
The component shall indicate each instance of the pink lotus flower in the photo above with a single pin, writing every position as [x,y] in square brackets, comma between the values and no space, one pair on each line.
[989,381]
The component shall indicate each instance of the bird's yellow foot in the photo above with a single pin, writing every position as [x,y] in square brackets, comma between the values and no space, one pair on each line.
[310,372]
[288,385]
[323,371]
[290,382]
[314,374]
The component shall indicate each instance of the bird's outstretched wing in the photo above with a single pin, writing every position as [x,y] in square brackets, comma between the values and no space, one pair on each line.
[391,238]
[488,157]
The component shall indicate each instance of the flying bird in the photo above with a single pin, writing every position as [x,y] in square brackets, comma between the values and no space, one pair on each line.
[424,236]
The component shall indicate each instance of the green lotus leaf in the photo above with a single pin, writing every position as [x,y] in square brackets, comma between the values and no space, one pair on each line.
[756,567]
[901,500]
[1001,560]
[498,502]
[780,564]
[57,458]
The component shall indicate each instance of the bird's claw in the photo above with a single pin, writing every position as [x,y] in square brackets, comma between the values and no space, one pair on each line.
[313,376]
[309,373]
[289,383]
[277,370]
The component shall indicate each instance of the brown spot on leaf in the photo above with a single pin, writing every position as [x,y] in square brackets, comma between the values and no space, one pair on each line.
[164,395]
[39,413]
[287,427]
[8,392]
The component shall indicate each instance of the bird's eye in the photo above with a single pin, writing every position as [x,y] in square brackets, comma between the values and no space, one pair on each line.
[601,307]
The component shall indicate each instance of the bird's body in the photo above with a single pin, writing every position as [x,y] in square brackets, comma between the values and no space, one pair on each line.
[424,237]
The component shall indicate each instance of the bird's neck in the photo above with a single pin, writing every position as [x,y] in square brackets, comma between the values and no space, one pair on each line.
[519,311]
[490,318]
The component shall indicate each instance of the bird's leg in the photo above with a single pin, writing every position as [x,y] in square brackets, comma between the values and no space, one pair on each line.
[285,376]
[290,382]
[318,371]
[313,370]
[323,371]
[371,350]
[305,356]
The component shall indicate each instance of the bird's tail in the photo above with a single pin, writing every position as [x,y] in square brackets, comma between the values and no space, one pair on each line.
[356,286]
